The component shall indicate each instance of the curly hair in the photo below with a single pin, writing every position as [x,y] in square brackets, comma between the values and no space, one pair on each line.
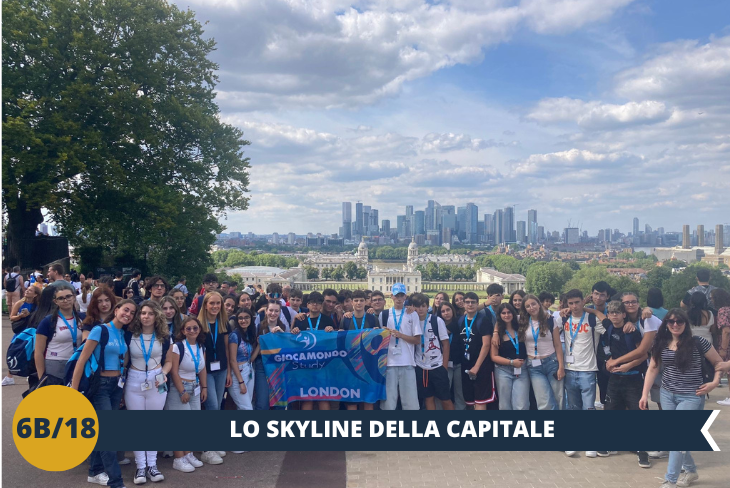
[542,317]
[162,333]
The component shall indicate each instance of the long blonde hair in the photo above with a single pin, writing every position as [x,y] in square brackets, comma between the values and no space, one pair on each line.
[222,317]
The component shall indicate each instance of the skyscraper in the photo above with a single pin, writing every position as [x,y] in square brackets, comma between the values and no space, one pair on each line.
[508,231]
[386,227]
[636,226]
[358,219]
[430,207]
[532,226]
[488,228]
[409,220]
[498,227]
[701,235]
[686,241]
[401,223]
[419,223]
[472,218]
[365,220]
[521,231]
[346,229]
[448,217]
[374,222]
[461,223]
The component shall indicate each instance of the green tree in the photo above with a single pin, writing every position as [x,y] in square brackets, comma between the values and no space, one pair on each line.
[110,123]
[327,273]
[362,273]
[549,277]
[678,284]
[338,273]
[350,270]
[312,272]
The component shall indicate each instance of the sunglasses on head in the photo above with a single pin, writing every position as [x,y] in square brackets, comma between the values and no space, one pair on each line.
[274,295]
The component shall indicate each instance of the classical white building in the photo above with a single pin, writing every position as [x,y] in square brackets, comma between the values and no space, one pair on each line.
[510,282]
[414,259]
[383,280]
[263,275]
[322,261]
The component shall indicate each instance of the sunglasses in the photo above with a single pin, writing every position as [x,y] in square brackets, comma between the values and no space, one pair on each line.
[158,285]
[675,322]
[192,329]
[274,295]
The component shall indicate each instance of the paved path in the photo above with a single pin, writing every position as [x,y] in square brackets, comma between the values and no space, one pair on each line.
[359,469]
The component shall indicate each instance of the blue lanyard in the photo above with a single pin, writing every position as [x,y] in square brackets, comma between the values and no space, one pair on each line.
[535,334]
[196,357]
[398,322]
[122,346]
[310,322]
[354,320]
[516,343]
[423,336]
[467,328]
[494,315]
[147,354]
[72,329]
[215,340]
[171,325]
[574,333]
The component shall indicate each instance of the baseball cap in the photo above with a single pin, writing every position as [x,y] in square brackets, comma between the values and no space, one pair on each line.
[398,288]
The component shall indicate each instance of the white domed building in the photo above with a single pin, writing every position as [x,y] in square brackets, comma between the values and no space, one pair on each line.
[322,261]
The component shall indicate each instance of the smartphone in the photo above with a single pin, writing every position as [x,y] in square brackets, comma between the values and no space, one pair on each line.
[555,375]
[160,378]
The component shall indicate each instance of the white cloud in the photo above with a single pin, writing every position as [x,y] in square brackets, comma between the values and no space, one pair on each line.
[599,116]
[454,142]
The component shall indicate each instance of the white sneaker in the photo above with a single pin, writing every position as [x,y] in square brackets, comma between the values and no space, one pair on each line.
[658,454]
[570,453]
[598,405]
[182,464]
[211,457]
[154,474]
[168,454]
[140,477]
[238,452]
[8,380]
[725,402]
[221,453]
[686,479]
[193,461]
[125,461]
[100,479]
[668,484]
[591,454]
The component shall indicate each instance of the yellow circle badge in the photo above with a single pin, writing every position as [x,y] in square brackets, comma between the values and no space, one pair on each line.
[55,428]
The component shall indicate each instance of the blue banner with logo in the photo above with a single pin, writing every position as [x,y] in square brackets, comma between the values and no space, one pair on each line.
[346,366]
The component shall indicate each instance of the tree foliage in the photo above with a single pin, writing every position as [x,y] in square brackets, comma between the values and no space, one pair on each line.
[551,277]
[109,122]
[678,284]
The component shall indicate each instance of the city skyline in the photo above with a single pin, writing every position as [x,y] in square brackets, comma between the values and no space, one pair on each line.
[590,111]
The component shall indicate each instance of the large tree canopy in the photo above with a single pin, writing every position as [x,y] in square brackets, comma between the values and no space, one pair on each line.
[109,122]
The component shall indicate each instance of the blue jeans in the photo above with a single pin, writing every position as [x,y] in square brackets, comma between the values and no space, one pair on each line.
[107,398]
[514,391]
[216,387]
[680,459]
[548,389]
[581,389]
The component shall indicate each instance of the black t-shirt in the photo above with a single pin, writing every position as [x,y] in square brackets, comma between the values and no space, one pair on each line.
[371,322]
[119,288]
[621,343]
[323,320]
[219,353]
[456,343]
[481,326]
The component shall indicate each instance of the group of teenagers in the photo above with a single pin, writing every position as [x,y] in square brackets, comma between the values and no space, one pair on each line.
[456,353]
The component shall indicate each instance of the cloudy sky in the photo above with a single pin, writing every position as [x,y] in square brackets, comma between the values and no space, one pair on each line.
[596,111]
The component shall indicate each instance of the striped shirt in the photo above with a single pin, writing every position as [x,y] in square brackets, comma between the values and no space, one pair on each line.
[684,382]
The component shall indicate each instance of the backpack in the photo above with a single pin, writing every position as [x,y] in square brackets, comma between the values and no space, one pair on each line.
[708,370]
[11,283]
[384,317]
[91,376]
[707,290]
[435,327]
[20,353]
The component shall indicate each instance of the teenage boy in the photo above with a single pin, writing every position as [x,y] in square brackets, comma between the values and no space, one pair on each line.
[432,357]
[210,283]
[313,320]
[580,329]
[287,314]
[359,320]
[477,367]
[599,296]
[703,285]
[224,289]
[405,333]
[368,296]
[295,301]
[345,300]
[495,294]
[331,307]
[232,287]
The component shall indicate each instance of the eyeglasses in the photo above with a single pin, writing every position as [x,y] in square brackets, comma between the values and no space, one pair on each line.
[615,313]
[192,329]
[676,322]
[244,317]
[158,285]
[377,299]
[632,302]
[470,302]
[64,298]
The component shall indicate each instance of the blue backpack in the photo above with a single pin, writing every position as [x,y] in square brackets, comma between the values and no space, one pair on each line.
[91,377]
[20,353]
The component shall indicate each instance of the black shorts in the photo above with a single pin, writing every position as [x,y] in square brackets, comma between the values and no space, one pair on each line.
[481,390]
[433,383]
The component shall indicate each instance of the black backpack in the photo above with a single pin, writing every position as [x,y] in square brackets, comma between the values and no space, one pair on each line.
[708,370]
[91,377]
[11,283]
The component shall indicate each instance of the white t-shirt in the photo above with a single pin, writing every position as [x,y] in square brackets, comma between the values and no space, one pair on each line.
[402,354]
[545,345]
[80,301]
[428,352]
[61,346]
[584,349]
[284,321]
[187,366]
[557,319]
[137,356]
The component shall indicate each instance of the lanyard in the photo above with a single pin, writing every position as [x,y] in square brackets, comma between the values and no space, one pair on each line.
[196,357]
[516,343]
[535,334]
[171,325]
[122,346]
[398,322]
[354,320]
[72,329]
[467,329]
[146,354]
[423,336]
[574,333]
[310,322]
[215,340]
[494,315]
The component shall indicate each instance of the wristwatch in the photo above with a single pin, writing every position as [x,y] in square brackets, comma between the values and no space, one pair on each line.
[511,361]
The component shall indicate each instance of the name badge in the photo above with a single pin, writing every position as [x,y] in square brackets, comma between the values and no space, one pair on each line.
[451,364]
[467,356]
[397,351]
[518,371]
[146,386]
[607,350]
[570,359]
[215,365]
[536,363]
[120,383]
[196,391]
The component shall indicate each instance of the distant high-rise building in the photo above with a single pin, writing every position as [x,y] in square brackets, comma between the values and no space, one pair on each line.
[488,228]
[719,241]
[647,229]
[357,229]
[532,226]
[540,233]
[521,231]
[701,235]
[291,238]
[461,223]
[636,226]
[660,231]
[346,211]
[499,226]
[726,235]
[419,222]
[472,217]
[374,221]
[365,220]
[409,220]
[275,238]
[386,227]
[401,221]
[430,214]
[686,242]
[571,235]
[508,223]
[448,217]
[607,236]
